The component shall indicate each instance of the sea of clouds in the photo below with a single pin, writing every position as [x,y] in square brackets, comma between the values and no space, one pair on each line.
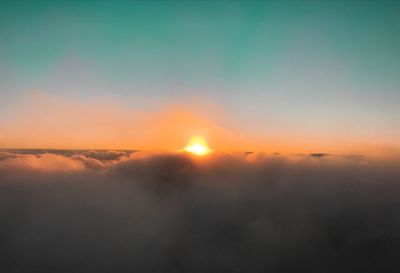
[124,211]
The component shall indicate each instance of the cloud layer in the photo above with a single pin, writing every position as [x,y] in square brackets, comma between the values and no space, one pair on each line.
[118,211]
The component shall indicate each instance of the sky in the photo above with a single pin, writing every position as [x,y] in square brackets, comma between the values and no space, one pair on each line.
[299,76]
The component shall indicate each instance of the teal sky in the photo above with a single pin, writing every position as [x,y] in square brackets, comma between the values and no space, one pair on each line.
[323,67]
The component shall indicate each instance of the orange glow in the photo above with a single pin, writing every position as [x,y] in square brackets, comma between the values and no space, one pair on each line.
[41,121]
[197,146]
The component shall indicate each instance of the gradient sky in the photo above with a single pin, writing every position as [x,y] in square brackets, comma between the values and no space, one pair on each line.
[325,71]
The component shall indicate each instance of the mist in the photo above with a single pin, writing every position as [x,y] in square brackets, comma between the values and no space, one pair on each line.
[124,211]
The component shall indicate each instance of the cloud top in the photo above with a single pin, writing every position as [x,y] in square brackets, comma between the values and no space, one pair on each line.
[103,211]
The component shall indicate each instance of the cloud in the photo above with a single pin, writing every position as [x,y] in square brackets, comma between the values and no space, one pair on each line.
[100,211]
[45,162]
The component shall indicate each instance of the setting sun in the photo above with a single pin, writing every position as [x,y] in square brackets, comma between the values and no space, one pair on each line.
[197,146]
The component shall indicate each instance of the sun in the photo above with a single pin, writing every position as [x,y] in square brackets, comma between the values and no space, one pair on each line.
[197,146]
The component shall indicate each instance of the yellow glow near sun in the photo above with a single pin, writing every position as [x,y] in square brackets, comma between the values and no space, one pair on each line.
[197,146]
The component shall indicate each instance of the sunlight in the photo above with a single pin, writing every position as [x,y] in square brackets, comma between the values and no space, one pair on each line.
[197,146]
